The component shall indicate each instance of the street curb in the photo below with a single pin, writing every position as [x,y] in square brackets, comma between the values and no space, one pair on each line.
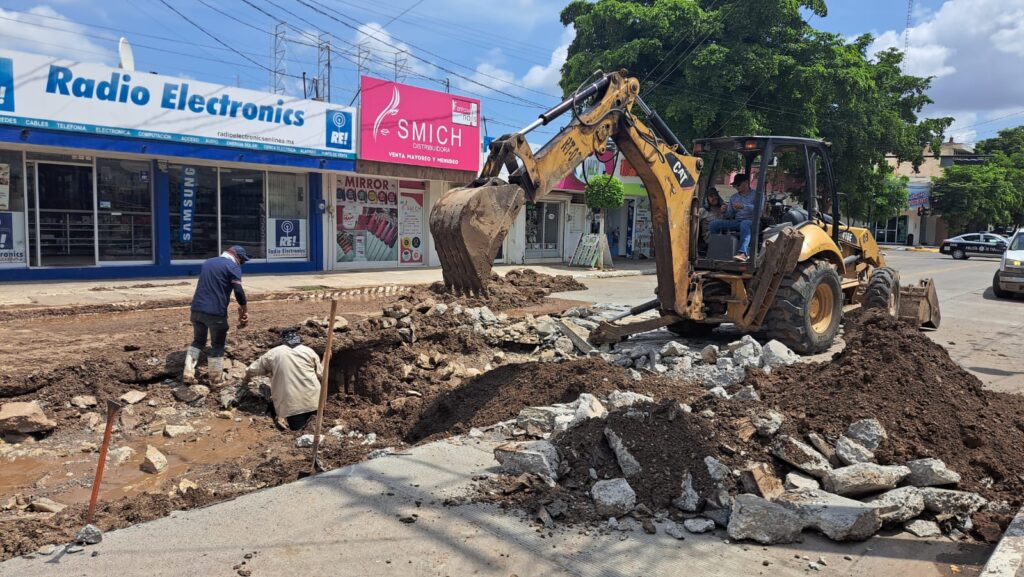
[614,273]
[909,248]
[1006,560]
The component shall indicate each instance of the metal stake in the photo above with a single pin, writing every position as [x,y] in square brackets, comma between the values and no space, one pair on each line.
[112,408]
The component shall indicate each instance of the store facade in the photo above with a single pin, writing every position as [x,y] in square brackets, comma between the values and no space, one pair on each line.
[109,173]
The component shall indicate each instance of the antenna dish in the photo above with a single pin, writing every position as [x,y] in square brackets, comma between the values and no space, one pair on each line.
[125,54]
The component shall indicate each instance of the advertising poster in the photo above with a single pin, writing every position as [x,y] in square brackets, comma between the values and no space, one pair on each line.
[287,238]
[411,229]
[5,186]
[409,125]
[12,238]
[367,219]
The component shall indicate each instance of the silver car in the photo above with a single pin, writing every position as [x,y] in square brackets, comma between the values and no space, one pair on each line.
[1009,278]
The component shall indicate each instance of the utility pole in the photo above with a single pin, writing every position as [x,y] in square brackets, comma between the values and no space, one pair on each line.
[400,64]
[278,69]
[906,35]
[323,64]
[447,84]
[362,55]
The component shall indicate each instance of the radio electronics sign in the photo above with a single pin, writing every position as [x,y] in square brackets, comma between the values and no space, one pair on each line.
[44,92]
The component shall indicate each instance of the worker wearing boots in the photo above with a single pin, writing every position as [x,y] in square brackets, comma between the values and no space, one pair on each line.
[295,371]
[219,277]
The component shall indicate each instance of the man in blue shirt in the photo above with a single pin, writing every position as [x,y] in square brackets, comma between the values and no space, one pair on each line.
[739,215]
[219,277]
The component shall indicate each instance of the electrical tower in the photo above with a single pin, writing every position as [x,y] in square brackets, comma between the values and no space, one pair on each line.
[323,66]
[906,34]
[278,71]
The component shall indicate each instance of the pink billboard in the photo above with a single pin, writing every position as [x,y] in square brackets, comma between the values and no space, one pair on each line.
[404,124]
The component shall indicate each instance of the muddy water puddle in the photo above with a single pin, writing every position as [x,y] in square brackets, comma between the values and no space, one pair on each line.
[68,479]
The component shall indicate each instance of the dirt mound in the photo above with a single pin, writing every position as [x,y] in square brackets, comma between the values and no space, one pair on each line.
[929,405]
[529,278]
[519,288]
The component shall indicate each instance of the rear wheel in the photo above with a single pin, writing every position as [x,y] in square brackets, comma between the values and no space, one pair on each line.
[959,254]
[1000,293]
[883,291]
[808,308]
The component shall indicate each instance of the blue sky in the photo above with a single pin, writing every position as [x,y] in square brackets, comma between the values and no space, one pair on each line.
[506,52]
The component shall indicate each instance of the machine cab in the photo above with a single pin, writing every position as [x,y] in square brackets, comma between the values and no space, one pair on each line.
[750,188]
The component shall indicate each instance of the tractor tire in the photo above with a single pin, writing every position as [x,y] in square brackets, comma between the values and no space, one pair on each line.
[1000,293]
[692,329]
[808,308]
[883,291]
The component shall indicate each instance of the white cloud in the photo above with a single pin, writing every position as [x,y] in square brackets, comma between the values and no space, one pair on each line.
[963,129]
[539,78]
[45,31]
[383,54]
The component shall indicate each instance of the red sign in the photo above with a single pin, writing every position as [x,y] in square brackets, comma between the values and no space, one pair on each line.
[404,124]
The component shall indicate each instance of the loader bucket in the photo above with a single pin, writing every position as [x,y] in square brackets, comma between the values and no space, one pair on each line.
[920,304]
[468,226]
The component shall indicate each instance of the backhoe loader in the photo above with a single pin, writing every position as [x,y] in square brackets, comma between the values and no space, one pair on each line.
[804,267]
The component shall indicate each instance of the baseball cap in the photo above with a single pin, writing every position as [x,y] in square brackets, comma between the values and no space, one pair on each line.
[240,253]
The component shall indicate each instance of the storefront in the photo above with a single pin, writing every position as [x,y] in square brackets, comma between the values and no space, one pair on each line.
[379,222]
[106,173]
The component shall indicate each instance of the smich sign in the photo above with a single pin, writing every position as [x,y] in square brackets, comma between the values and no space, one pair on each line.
[408,125]
[43,92]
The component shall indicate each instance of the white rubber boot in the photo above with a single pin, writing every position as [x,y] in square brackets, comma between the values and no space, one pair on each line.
[188,376]
[215,370]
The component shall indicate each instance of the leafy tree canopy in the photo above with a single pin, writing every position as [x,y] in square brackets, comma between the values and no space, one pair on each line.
[734,67]
[604,191]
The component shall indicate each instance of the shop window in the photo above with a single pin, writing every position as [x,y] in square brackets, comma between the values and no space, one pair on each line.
[243,211]
[287,222]
[13,246]
[193,210]
[124,210]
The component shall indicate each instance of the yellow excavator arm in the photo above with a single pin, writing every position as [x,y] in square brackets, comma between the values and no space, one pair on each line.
[469,223]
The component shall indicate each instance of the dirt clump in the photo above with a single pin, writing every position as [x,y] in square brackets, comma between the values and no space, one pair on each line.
[519,288]
[928,404]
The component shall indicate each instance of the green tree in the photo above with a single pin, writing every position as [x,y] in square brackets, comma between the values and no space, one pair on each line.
[731,67]
[973,196]
[604,191]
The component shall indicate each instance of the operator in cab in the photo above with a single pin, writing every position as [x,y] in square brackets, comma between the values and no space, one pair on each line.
[739,215]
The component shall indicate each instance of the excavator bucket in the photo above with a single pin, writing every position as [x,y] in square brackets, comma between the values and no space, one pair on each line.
[920,304]
[468,226]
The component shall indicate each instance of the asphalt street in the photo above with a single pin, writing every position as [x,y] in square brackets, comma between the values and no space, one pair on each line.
[980,331]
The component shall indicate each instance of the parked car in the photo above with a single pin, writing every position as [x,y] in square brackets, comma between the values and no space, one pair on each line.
[1009,278]
[974,244]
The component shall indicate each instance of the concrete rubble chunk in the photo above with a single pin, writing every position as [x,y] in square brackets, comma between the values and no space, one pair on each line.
[950,502]
[613,497]
[719,392]
[867,432]
[825,448]
[190,394]
[89,535]
[186,485]
[898,505]
[119,455]
[748,355]
[674,530]
[931,473]
[623,399]
[851,452]
[760,480]
[674,349]
[796,480]
[175,431]
[588,407]
[837,517]
[306,441]
[132,397]
[44,505]
[437,310]
[801,456]
[699,525]
[24,417]
[768,423]
[775,354]
[83,401]
[539,421]
[689,499]
[564,346]
[760,520]
[709,354]
[747,393]
[155,461]
[864,478]
[627,462]
[717,469]
[923,528]
[535,457]
[634,374]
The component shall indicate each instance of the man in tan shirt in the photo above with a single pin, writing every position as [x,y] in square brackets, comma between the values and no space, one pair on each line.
[295,371]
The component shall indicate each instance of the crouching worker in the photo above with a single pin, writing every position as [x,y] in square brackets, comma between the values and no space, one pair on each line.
[295,371]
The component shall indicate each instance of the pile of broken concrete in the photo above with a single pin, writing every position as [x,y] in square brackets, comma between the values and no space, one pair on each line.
[835,488]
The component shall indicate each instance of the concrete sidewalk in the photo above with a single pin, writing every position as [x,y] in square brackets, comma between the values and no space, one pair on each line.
[347,522]
[900,247]
[74,293]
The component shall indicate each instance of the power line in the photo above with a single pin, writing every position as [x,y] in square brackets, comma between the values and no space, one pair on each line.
[673,49]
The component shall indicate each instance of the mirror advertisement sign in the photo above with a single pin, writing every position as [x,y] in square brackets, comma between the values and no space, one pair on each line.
[403,124]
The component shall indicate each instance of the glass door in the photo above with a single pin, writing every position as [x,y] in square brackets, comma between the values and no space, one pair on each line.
[66,215]
[544,230]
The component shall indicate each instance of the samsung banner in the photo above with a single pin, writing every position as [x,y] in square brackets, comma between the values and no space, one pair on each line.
[44,92]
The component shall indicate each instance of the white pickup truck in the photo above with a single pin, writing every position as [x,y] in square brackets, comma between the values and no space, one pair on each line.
[1009,278]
